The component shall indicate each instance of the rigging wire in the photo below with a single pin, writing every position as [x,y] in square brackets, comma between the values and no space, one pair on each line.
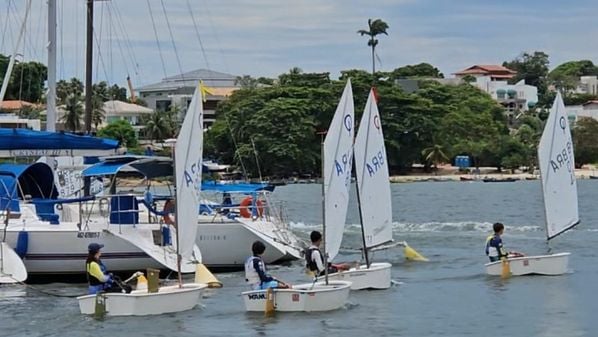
[157,39]
[176,53]
[5,24]
[232,136]
[128,44]
[118,43]
[98,41]
[214,31]
[203,51]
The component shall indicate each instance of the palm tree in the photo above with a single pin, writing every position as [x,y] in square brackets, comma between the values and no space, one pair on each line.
[97,111]
[376,27]
[434,155]
[73,112]
[157,126]
[246,82]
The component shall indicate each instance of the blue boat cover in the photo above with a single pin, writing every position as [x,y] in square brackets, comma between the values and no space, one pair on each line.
[18,180]
[24,142]
[246,188]
[147,166]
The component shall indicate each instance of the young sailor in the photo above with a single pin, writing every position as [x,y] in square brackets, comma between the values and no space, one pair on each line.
[255,270]
[315,261]
[494,247]
[97,275]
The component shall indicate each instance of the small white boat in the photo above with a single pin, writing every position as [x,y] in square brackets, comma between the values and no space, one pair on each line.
[375,276]
[307,297]
[187,171]
[140,303]
[12,269]
[374,200]
[559,190]
[323,295]
[555,264]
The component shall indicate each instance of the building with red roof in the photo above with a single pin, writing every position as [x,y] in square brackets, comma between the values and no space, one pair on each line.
[495,72]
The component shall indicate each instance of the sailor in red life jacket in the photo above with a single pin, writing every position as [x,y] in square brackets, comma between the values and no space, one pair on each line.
[315,261]
[255,270]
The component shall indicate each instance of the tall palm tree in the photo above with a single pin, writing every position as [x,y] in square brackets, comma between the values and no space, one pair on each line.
[73,112]
[434,154]
[157,126]
[376,27]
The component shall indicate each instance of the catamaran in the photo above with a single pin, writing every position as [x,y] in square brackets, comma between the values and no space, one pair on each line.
[181,297]
[322,295]
[559,190]
[373,195]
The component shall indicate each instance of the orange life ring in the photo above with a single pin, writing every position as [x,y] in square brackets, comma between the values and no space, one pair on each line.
[244,209]
[168,210]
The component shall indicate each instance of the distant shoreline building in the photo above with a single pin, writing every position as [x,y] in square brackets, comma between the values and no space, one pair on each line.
[492,79]
[494,72]
[177,91]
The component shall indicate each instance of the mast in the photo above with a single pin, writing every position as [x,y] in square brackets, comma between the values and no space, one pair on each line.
[51,98]
[11,63]
[176,219]
[324,209]
[88,66]
[365,248]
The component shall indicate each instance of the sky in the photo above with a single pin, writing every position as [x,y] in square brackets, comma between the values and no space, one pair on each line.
[269,37]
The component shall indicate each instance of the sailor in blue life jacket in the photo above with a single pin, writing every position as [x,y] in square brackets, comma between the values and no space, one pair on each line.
[97,275]
[255,270]
[314,262]
[494,247]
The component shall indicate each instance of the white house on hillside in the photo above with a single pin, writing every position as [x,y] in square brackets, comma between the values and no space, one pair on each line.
[518,96]
[588,109]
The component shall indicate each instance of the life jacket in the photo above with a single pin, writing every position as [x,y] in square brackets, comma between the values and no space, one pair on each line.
[93,281]
[310,263]
[251,275]
[494,246]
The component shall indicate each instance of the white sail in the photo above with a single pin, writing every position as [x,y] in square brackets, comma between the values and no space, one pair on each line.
[338,163]
[188,160]
[372,177]
[557,168]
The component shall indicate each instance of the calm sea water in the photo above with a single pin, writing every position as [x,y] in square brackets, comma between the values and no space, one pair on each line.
[448,296]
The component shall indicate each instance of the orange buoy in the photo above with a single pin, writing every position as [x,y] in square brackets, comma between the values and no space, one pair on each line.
[244,209]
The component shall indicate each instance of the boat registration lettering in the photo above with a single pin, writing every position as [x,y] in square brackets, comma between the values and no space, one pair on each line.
[375,163]
[525,263]
[261,296]
[88,235]
[295,297]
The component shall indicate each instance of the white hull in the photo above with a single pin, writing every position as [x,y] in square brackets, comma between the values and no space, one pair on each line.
[377,276]
[140,303]
[62,249]
[555,264]
[225,243]
[306,297]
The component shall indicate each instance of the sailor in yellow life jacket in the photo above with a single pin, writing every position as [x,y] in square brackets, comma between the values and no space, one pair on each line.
[97,275]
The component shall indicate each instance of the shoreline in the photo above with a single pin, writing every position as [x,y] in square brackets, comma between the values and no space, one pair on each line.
[443,174]
[455,175]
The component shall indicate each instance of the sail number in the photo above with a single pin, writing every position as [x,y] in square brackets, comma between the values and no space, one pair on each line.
[375,163]
[344,167]
[562,159]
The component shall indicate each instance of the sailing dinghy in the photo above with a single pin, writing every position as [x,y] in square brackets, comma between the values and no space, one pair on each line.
[373,196]
[322,295]
[181,297]
[12,269]
[559,189]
